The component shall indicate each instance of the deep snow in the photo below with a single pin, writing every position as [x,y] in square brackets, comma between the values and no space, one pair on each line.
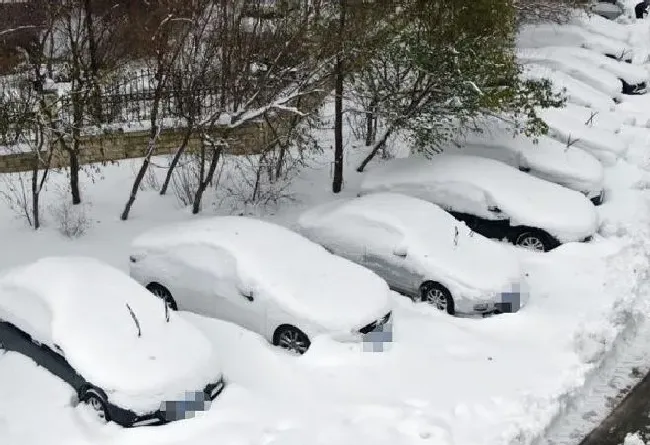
[445,381]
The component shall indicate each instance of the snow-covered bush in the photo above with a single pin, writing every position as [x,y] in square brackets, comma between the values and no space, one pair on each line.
[71,220]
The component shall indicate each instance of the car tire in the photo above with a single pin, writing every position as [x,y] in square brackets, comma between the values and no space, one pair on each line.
[532,239]
[93,398]
[291,339]
[163,293]
[437,296]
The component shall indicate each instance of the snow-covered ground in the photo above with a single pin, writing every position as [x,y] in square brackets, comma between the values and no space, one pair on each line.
[442,380]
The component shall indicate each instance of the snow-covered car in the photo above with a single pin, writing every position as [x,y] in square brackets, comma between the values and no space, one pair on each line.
[123,353]
[572,35]
[547,158]
[492,198]
[575,91]
[420,250]
[572,131]
[633,77]
[608,10]
[613,121]
[263,277]
[600,25]
[599,78]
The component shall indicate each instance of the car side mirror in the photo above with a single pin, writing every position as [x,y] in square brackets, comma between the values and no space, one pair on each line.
[400,251]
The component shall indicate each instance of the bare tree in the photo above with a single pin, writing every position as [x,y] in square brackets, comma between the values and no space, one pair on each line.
[167,43]
[539,11]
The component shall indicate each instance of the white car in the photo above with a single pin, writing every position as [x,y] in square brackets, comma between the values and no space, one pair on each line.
[545,158]
[492,198]
[572,130]
[263,277]
[576,91]
[122,351]
[587,72]
[633,77]
[572,35]
[420,250]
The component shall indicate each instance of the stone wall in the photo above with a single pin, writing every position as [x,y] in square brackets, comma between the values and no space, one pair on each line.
[250,138]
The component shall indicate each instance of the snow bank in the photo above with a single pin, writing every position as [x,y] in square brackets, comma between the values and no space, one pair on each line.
[582,70]
[568,129]
[544,35]
[79,305]
[574,90]
[472,267]
[526,200]
[546,158]
[277,263]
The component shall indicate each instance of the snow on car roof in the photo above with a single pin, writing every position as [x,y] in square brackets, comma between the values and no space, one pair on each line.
[568,128]
[428,234]
[600,25]
[572,167]
[526,200]
[80,305]
[583,70]
[575,91]
[610,120]
[542,35]
[299,274]
[631,73]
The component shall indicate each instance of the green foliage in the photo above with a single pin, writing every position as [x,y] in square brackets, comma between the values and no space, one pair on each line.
[453,62]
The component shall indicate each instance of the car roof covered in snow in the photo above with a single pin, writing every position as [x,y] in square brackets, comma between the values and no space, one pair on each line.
[600,25]
[566,127]
[575,91]
[82,308]
[546,157]
[629,72]
[301,276]
[545,34]
[462,261]
[584,70]
[470,183]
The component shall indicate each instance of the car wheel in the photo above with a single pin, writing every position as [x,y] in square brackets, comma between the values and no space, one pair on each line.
[533,240]
[163,293]
[96,402]
[291,339]
[438,296]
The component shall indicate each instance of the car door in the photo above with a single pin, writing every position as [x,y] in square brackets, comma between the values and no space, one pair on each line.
[393,268]
[16,340]
[223,293]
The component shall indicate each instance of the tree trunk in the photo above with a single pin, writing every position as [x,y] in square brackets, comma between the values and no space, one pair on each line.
[74,177]
[371,119]
[337,181]
[378,146]
[138,179]
[35,195]
[216,155]
[176,159]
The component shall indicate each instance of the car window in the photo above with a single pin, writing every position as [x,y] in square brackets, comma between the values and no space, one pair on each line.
[26,311]
[363,236]
[209,270]
[458,196]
